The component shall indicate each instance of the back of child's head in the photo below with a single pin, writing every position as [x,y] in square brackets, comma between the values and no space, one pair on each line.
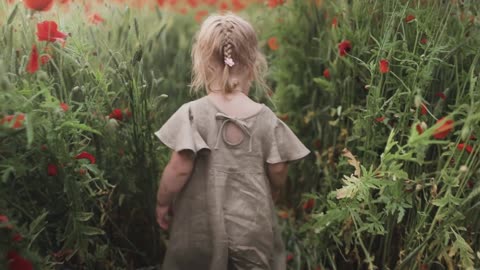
[226,52]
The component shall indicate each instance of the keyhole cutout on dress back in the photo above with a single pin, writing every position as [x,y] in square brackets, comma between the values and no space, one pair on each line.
[233,135]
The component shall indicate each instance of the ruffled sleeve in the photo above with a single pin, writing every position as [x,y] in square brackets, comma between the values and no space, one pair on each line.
[284,144]
[179,132]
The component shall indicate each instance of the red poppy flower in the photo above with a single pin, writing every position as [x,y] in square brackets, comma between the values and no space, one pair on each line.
[419,129]
[384,66]
[273,44]
[200,14]
[161,2]
[95,18]
[86,155]
[238,5]
[326,74]
[38,5]
[308,205]
[210,2]
[344,47]
[223,6]
[52,170]
[441,95]
[423,41]
[64,106]
[289,257]
[44,59]
[334,22]
[17,262]
[17,237]
[19,118]
[192,3]
[3,218]
[442,131]
[423,109]
[32,65]
[275,3]
[116,114]
[48,31]
[409,18]
[380,119]
[462,146]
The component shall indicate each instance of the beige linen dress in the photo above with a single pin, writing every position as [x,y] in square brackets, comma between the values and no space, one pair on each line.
[224,217]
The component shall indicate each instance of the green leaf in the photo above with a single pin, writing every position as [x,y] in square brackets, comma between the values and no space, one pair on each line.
[12,15]
[30,130]
[83,216]
[78,125]
[90,231]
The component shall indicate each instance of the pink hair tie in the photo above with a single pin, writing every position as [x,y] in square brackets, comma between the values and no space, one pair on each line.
[229,61]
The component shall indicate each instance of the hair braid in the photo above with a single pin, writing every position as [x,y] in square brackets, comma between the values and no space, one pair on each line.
[227,49]
[227,42]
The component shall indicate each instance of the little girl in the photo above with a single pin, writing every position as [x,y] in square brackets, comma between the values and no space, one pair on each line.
[229,158]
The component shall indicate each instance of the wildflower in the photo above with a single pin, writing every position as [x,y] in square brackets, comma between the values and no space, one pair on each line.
[344,47]
[466,147]
[334,22]
[384,66]
[32,65]
[238,5]
[48,31]
[423,41]
[95,18]
[289,257]
[52,170]
[18,120]
[409,18]
[326,74]
[192,3]
[442,131]
[86,155]
[200,14]
[441,95]
[44,147]
[273,44]
[17,262]
[44,59]
[38,5]
[275,3]
[380,119]
[421,127]
[17,237]
[223,6]
[423,109]
[64,106]
[4,219]
[210,2]
[308,205]
[116,114]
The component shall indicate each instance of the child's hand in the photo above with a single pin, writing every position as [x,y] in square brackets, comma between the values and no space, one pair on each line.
[162,216]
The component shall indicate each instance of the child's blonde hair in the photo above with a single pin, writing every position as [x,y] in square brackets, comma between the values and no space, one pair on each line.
[230,42]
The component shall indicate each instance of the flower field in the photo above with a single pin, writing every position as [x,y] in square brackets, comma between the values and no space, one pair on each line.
[385,94]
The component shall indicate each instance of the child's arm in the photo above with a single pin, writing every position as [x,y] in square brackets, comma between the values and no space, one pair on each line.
[277,173]
[174,178]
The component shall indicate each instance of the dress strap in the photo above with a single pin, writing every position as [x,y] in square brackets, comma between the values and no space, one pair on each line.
[238,122]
